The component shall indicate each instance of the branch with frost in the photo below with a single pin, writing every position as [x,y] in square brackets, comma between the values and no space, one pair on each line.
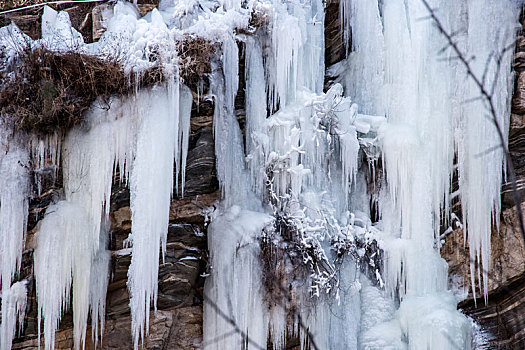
[296,239]
[487,94]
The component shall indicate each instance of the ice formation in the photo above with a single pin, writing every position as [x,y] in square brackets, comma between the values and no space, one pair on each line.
[14,191]
[14,302]
[304,165]
[489,33]
[151,185]
[423,95]
[393,69]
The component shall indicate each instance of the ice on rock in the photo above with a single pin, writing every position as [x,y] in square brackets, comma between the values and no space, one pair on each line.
[379,327]
[433,322]
[45,154]
[151,186]
[229,151]
[14,191]
[63,257]
[14,302]
[186,101]
[256,139]
[57,32]
[292,145]
[394,68]
[490,28]
[365,72]
[12,42]
[309,152]
[234,288]
[98,285]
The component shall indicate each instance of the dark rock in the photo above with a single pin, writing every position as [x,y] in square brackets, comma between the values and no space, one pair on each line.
[200,170]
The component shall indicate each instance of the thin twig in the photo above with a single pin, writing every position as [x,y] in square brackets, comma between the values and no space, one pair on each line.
[232,322]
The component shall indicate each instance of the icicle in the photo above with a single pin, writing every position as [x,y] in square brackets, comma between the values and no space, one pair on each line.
[283,83]
[345,24]
[255,114]
[151,185]
[45,156]
[99,285]
[228,138]
[14,191]
[311,70]
[89,158]
[364,78]
[349,158]
[230,66]
[235,285]
[88,163]
[62,256]
[186,101]
[416,87]
[14,302]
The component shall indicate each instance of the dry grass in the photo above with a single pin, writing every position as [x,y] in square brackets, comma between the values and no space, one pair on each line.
[49,92]
[195,55]
[12,4]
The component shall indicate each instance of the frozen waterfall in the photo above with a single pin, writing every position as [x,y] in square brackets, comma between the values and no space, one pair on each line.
[333,196]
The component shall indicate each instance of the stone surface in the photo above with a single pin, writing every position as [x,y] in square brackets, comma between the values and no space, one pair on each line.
[506,256]
[518,101]
[100,17]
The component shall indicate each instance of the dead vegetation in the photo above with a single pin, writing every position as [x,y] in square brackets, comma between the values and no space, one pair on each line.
[44,91]
[48,91]
[12,4]
[195,55]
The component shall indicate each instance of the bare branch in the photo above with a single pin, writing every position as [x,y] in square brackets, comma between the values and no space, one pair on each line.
[232,322]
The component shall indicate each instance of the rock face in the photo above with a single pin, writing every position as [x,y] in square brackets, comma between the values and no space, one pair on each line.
[507,254]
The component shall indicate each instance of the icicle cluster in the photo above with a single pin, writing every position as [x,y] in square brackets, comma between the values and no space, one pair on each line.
[14,302]
[309,145]
[395,68]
